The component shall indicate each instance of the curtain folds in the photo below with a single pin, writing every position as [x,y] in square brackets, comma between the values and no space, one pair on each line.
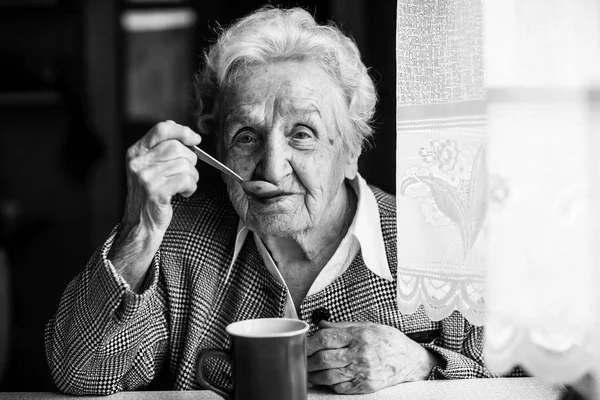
[542,63]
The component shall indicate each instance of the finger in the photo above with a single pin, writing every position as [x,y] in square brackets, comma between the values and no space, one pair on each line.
[184,184]
[328,359]
[187,185]
[170,130]
[176,167]
[330,376]
[163,181]
[153,177]
[333,338]
[170,150]
[343,324]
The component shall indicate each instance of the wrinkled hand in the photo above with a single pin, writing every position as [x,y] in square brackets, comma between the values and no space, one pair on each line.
[159,166]
[363,357]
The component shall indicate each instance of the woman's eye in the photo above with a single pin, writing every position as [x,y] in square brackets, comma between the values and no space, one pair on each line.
[245,138]
[302,134]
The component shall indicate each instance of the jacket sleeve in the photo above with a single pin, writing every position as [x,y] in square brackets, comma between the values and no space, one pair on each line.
[460,345]
[104,337]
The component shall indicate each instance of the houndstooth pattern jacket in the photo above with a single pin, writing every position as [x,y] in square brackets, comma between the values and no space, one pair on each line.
[104,338]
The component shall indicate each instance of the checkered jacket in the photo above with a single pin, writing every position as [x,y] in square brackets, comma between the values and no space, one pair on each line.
[104,338]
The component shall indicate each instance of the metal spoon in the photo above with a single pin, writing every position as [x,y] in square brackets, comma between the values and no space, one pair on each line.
[252,188]
[203,156]
[260,189]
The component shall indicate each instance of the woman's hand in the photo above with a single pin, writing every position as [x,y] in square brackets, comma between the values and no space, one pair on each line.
[159,166]
[363,357]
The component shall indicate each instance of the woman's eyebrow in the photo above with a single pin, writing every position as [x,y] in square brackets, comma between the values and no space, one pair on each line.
[239,114]
[308,111]
[305,110]
[233,119]
[303,105]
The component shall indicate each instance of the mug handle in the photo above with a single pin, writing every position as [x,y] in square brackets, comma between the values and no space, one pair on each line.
[204,354]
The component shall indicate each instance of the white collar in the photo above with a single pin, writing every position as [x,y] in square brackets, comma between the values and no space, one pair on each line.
[365,227]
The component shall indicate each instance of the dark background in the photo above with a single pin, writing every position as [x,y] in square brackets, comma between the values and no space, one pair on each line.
[64,129]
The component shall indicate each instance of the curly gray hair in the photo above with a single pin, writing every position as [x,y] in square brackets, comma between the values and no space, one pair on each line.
[270,35]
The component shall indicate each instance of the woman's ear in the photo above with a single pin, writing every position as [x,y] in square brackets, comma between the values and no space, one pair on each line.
[207,125]
[352,165]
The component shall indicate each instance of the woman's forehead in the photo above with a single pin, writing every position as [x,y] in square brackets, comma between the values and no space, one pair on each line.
[293,107]
[292,87]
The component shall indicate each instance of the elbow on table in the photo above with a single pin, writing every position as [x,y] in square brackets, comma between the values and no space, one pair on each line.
[71,370]
[73,378]
[72,381]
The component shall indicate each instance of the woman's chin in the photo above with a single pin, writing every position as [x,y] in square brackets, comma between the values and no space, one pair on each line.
[279,225]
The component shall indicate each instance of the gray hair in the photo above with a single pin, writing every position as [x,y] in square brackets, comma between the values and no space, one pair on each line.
[270,35]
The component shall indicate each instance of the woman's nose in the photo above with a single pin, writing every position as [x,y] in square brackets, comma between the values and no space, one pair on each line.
[274,163]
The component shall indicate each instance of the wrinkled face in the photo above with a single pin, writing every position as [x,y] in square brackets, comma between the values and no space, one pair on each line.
[277,125]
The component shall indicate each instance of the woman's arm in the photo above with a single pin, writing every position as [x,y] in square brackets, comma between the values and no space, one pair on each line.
[110,330]
[460,346]
[106,338]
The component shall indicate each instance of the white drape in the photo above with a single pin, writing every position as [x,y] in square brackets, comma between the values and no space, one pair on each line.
[498,180]
[542,63]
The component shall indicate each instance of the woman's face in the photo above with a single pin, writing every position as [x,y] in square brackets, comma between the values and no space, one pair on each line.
[277,125]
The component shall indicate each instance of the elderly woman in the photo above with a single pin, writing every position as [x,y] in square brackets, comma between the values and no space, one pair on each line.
[290,103]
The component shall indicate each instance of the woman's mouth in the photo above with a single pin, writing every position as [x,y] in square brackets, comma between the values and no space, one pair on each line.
[261,190]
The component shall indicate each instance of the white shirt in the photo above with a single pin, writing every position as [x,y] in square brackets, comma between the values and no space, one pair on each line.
[364,233]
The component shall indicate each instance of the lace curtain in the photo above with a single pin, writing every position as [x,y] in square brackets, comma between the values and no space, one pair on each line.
[440,158]
[498,180]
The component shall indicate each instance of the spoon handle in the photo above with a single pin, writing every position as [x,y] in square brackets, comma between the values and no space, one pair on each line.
[203,156]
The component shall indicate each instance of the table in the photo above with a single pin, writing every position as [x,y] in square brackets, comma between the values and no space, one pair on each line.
[468,389]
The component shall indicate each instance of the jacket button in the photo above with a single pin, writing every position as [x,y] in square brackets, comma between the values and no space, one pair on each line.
[320,314]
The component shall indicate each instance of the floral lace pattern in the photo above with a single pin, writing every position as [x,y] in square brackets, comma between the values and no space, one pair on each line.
[442,208]
[458,191]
